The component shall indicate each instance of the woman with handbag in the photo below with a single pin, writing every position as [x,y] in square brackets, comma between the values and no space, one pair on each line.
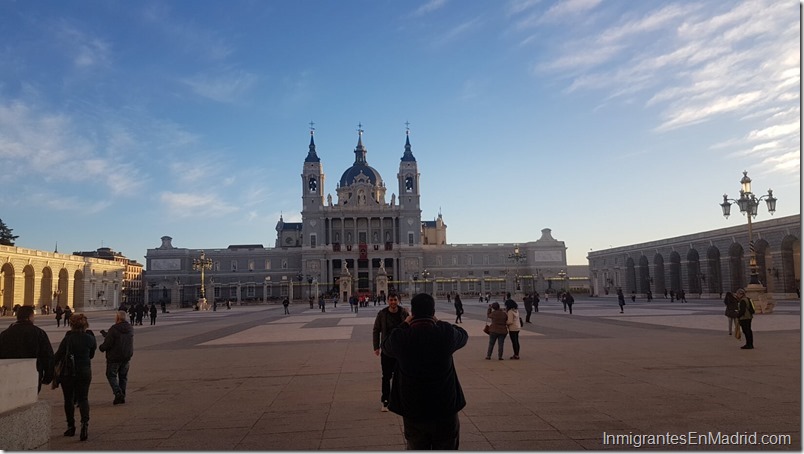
[514,323]
[498,329]
[74,355]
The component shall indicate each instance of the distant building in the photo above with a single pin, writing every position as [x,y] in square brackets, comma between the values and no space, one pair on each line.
[705,264]
[39,278]
[361,242]
[131,286]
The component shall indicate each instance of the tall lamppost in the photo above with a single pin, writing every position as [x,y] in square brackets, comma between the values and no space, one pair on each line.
[749,204]
[415,283]
[517,258]
[425,276]
[563,275]
[200,264]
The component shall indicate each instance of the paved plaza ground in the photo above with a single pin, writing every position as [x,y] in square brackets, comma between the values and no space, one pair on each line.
[251,378]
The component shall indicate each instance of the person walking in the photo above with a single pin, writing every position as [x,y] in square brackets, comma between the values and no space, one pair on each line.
[286,304]
[620,299]
[732,309]
[498,329]
[745,314]
[139,312]
[514,323]
[132,312]
[388,318]
[563,301]
[118,343]
[77,347]
[67,314]
[458,308]
[23,339]
[568,300]
[528,300]
[536,300]
[682,296]
[426,391]
[152,312]
[59,313]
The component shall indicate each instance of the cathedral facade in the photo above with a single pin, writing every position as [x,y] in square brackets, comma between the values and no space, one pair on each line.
[364,241]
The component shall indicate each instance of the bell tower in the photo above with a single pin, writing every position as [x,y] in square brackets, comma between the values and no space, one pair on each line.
[410,212]
[312,194]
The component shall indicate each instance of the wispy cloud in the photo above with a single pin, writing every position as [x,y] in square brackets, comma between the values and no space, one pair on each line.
[429,7]
[694,63]
[225,87]
[569,8]
[184,204]
[86,51]
[458,31]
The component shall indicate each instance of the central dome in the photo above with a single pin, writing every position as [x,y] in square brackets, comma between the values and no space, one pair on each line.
[360,167]
[354,172]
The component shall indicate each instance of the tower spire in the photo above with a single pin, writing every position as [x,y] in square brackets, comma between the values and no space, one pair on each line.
[312,156]
[408,155]
[360,150]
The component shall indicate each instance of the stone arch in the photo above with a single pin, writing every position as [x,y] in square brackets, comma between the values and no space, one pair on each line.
[630,275]
[46,287]
[694,271]
[714,271]
[762,249]
[7,276]
[675,271]
[62,288]
[28,289]
[658,273]
[736,267]
[791,264]
[78,290]
[644,275]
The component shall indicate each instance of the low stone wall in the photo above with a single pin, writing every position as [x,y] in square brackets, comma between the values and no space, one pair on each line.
[24,418]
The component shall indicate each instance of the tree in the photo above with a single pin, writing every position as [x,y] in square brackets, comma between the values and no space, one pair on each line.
[6,238]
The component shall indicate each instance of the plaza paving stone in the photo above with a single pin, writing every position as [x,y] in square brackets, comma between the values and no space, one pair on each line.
[251,378]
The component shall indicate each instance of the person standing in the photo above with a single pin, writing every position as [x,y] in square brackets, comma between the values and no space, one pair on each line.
[139,312]
[745,314]
[387,319]
[514,324]
[80,343]
[286,304]
[118,343]
[67,314]
[682,296]
[536,300]
[132,312]
[23,339]
[426,391]
[59,312]
[528,300]
[732,309]
[568,300]
[498,329]
[458,308]
[322,303]
[152,313]
[620,299]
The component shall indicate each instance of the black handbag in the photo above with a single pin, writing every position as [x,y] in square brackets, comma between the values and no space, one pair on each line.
[64,368]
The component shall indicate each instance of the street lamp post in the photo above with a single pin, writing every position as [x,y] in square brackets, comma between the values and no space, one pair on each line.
[415,283]
[749,204]
[563,275]
[200,264]
[517,258]
[425,275]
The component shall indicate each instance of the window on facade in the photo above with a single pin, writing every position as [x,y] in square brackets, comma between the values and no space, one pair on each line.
[485,259]
[104,274]
[470,286]
[250,291]
[313,241]
[216,266]
[267,264]
[251,265]
[438,260]
[234,265]
[217,292]
[468,259]
[233,291]
[362,237]
[284,264]
[410,239]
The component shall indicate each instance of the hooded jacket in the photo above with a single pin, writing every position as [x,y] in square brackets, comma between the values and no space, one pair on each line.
[119,343]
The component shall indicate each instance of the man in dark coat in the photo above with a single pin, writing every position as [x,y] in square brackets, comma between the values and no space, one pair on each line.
[388,318]
[118,343]
[426,391]
[23,339]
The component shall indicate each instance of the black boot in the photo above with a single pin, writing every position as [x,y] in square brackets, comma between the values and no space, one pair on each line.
[70,432]
[84,430]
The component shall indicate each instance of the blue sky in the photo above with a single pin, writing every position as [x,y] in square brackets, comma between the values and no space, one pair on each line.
[609,122]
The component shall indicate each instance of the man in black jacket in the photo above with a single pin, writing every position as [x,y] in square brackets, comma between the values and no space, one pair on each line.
[426,391]
[118,343]
[387,319]
[23,339]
